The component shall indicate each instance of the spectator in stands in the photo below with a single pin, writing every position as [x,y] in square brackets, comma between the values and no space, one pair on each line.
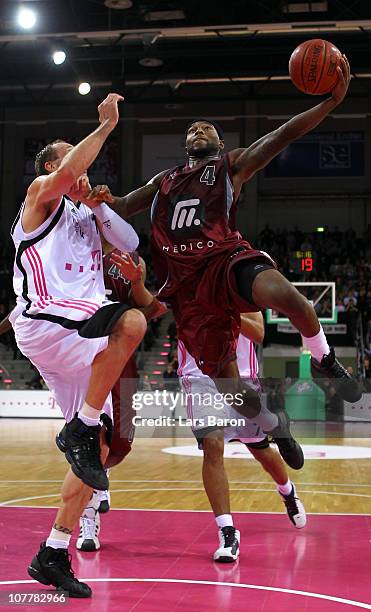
[146,383]
[335,268]
[351,297]
[170,377]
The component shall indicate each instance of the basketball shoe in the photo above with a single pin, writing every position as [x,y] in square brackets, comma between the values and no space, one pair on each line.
[229,545]
[105,501]
[345,384]
[295,509]
[290,450]
[53,566]
[81,445]
[88,540]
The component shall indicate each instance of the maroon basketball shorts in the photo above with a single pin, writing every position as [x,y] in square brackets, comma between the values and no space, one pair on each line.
[207,309]
[122,433]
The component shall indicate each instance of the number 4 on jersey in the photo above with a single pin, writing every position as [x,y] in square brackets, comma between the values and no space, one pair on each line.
[208,175]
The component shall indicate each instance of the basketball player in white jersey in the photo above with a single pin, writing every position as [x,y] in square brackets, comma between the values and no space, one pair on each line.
[211,439]
[62,322]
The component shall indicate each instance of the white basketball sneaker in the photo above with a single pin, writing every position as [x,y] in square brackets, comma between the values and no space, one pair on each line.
[295,509]
[88,540]
[104,501]
[229,545]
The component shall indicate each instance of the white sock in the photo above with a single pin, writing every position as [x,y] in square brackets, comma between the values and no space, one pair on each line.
[224,520]
[89,415]
[285,489]
[57,539]
[317,344]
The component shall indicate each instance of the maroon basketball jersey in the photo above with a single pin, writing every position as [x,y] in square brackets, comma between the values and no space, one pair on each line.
[192,216]
[118,290]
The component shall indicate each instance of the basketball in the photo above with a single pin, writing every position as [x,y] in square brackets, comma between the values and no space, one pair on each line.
[312,66]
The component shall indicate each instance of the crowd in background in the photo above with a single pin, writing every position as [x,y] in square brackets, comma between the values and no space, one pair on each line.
[341,257]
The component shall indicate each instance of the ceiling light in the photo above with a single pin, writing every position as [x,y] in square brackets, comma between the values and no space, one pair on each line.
[59,57]
[151,62]
[84,88]
[26,18]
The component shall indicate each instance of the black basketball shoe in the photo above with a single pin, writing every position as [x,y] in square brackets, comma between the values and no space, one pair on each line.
[290,451]
[229,545]
[53,566]
[295,509]
[81,445]
[345,384]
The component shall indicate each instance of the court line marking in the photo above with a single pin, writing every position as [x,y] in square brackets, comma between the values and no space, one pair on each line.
[205,511]
[301,484]
[258,587]
[159,489]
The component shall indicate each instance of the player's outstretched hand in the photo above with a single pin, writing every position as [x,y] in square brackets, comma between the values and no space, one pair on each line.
[99,194]
[80,189]
[108,110]
[341,87]
[128,268]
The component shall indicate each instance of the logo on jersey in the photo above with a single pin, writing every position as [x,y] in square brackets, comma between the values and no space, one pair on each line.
[184,214]
[77,226]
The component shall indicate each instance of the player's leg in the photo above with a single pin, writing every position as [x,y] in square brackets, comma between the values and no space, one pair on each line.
[267,288]
[120,435]
[217,490]
[212,342]
[273,464]
[214,475]
[52,564]
[106,368]
[276,424]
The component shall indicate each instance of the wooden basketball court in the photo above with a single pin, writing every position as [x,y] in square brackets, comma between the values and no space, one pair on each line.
[157,546]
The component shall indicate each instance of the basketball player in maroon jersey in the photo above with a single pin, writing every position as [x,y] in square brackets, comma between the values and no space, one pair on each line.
[212,275]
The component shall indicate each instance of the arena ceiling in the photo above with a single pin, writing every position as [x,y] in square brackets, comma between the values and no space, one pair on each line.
[172,50]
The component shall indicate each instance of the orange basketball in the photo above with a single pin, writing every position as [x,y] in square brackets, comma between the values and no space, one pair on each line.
[312,66]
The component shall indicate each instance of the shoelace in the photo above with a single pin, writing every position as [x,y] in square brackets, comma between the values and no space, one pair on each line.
[65,561]
[228,536]
[291,505]
[87,528]
[337,368]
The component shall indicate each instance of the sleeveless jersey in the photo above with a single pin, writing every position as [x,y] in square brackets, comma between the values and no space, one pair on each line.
[193,218]
[58,267]
[246,360]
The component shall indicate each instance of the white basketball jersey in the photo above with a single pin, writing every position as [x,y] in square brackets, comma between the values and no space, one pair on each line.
[58,268]
[246,360]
